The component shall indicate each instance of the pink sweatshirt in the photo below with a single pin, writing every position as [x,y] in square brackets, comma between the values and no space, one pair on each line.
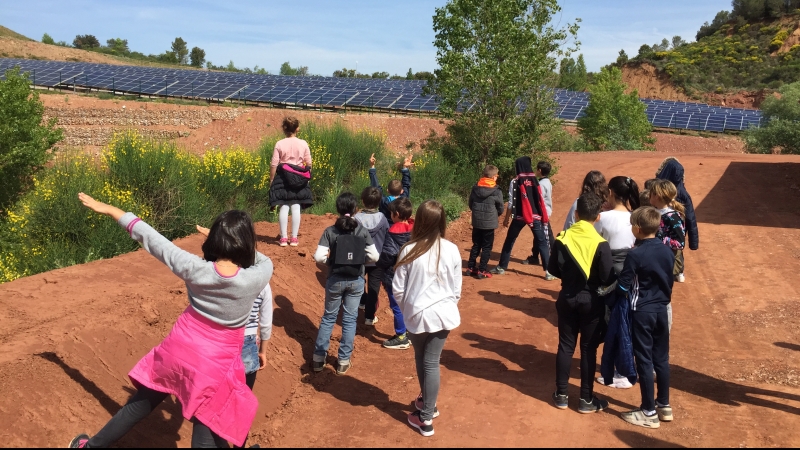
[291,151]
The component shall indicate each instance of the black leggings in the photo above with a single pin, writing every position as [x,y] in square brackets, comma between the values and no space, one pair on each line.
[140,406]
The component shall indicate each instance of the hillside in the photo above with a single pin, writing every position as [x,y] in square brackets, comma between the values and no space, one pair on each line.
[5,32]
[735,65]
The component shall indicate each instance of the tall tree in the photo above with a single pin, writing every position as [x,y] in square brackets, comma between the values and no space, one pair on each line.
[494,59]
[119,45]
[181,50]
[197,56]
[409,74]
[677,42]
[85,41]
[622,59]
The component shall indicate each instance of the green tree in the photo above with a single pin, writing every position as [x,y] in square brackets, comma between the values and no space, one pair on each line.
[615,120]
[409,74]
[231,67]
[707,29]
[345,73]
[495,57]
[572,74]
[46,39]
[380,75]
[85,42]
[197,56]
[119,45]
[181,50]
[677,42]
[25,140]
[622,59]
[645,52]
[287,69]
[781,116]
[662,47]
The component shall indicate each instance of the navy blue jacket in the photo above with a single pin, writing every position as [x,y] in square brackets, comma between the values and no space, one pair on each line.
[646,278]
[396,237]
[405,181]
[673,171]
[618,347]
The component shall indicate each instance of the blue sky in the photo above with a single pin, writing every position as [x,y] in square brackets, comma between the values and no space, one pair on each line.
[326,35]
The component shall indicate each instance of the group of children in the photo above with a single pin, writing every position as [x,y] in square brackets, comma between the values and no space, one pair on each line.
[616,276]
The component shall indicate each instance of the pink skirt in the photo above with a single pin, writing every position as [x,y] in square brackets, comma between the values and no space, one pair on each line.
[200,363]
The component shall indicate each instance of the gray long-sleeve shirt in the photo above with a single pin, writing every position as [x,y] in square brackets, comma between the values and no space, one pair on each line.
[221,299]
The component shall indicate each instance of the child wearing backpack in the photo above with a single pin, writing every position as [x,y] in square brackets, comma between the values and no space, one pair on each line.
[345,247]
[671,232]
[377,225]
[486,204]
[396,237]
[397,188]
[427,286]
[205,345]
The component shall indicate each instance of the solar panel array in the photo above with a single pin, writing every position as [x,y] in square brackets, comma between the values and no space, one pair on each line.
[398,95]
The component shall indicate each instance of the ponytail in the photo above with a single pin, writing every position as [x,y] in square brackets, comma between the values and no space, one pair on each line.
[667,192]
[346,207]
[678,206]
[626,190]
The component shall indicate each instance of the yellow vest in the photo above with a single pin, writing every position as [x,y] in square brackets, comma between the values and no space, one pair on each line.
[581,240]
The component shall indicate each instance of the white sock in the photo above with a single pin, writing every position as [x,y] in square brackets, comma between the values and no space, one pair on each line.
[649,413]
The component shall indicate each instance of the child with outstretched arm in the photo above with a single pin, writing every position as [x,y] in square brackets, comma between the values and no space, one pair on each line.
[370,218]
[396,237]
[397,188]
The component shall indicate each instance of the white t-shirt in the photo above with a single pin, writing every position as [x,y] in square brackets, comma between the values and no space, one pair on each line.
[615,227]
[428,295]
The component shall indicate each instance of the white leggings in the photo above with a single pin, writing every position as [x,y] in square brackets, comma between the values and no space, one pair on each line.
[283,220]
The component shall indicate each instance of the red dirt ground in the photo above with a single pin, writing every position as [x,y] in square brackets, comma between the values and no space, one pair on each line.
[70,336]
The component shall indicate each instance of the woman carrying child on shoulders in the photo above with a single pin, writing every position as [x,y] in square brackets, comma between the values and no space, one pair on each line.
[427,286]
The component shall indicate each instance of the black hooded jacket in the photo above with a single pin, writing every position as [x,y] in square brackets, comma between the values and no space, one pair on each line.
[486,204]
[671,170]
[526,179]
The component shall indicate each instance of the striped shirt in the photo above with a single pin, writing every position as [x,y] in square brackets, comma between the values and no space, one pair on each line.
[261,316]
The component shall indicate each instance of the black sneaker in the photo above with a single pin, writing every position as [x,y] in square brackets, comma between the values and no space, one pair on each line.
[531,261]
[318,366]
[592,406]
[560,401]
[398,342]
[79,441]
[343,368]
[425,427]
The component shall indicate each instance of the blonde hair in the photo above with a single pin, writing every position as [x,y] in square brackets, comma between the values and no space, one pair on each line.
[667,192]
[430,225]
[647,219]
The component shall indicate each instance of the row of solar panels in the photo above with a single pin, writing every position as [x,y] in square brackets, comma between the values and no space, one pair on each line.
[336,92]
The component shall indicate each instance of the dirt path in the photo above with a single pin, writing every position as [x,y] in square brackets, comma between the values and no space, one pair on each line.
[69,337]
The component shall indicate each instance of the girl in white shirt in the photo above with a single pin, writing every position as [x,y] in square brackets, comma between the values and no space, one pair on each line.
[427,287]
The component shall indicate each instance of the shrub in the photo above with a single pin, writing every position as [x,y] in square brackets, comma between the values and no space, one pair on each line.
[781,131]
[615,120]
[47,39]
[25,140]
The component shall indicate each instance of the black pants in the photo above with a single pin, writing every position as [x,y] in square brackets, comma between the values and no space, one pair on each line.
[369,298]
[650,336]
[482,243]
[582,315]
[539,239]
[140,406]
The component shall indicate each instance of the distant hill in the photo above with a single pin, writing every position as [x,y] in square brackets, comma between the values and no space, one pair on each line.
[12,34]
[735,57]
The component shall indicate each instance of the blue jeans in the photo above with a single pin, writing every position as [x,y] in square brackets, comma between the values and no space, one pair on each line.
[540,239]
[250,354]
[345,294]
[399,323]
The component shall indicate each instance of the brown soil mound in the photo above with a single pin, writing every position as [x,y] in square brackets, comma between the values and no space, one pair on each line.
[650,84]
[70,336]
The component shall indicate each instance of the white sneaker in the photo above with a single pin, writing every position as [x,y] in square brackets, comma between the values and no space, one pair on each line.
[680,278]
[371,322]
[619,382]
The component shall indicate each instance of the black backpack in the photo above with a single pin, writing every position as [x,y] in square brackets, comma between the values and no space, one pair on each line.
[348,255]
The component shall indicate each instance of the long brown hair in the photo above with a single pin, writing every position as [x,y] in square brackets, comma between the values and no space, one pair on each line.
[667,192]
[595,182]
[430,225]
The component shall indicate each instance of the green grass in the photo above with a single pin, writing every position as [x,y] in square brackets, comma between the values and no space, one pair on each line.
[5,32]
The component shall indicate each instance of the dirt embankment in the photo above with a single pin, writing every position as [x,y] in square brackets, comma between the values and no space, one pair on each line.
[17,48]
[70,336]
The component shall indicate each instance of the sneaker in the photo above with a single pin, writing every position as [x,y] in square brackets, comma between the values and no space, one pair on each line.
[531,261]
[79,441]
[498,271]
[472,272]
[680,278]
[619,382]
[420,405]
[318,366]
[294,242]
[284,242]
[398,342]
[561,401]
[484,274]
[664,413]
[638,418]
[371,322]
[548,277]
[343,368]
[425,427]
[592,406]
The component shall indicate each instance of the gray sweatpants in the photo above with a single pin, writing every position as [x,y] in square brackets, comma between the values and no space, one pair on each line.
[427,351]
